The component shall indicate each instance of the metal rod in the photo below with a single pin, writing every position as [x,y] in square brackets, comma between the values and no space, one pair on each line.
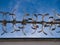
[32,22]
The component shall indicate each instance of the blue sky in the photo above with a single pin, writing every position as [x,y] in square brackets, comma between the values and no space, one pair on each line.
[29,6]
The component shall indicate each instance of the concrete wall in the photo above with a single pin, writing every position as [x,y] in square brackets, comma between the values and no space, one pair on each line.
[31,43]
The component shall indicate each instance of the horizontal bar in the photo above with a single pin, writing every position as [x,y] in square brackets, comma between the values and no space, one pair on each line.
[41,22]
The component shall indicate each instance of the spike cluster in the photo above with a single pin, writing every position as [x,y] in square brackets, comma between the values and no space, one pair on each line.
[50,23]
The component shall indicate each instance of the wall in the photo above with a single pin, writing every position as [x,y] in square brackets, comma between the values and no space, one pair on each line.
[30,42]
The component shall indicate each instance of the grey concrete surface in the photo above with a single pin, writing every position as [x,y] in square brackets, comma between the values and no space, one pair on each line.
[31,43]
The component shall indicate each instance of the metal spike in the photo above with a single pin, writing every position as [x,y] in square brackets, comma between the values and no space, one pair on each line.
[45,33]
[58,32]
[27,14]
[46,25]
[53,29]
[29,18]
[35,15]
[40,31]
[34,31]
[2,33]
[20,27]
[51,17]
[47,14]
[59,25]
[15,31]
